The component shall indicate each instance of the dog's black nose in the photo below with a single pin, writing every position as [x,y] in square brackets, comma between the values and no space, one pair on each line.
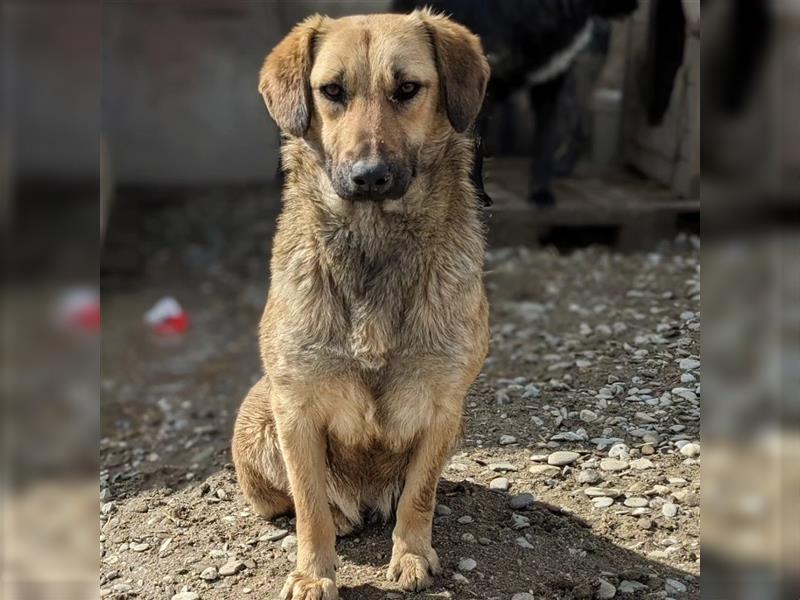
[371,179]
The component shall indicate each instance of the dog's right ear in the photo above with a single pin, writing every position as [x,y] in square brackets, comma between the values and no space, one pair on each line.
[283,81]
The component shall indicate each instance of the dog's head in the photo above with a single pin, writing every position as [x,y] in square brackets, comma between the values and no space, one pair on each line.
[369,93]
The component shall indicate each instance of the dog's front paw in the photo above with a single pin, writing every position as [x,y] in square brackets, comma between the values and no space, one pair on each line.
[413,571]
[300,586]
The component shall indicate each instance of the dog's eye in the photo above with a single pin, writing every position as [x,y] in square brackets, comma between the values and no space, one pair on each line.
[333,92]
[406,91]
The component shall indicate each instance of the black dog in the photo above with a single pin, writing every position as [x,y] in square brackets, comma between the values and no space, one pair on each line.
[529,43]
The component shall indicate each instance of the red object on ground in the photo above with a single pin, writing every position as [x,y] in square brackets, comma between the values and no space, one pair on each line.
[167,317]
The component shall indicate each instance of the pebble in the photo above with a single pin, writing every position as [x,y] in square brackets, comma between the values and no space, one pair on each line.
[519,521]
[468,537]
[588,476]
[603,502]
[231,568]
[221,494]
[500,484]
[635,502]
[443,510]
[274,536]
[186,596]
[521,501]
[631,587]
[690,450]
[523,543]
[522,596]
[465,520]
[503,466]
[612,464]
[644,523]
[687,364]
[539,457]
[669,510]
[209,574]
[673,586]
[562,457]
[457,577]
[588,416]
[139,547]
[289,542]
[594,492]
[606,591]
[640,464]
[541,469]
[619,451]
[466,565]
[505,440]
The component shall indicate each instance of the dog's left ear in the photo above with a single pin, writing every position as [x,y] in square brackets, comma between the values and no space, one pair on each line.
[462,65]
[283,81]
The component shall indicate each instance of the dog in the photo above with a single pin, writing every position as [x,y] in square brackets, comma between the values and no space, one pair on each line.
[531,45]
[376,321]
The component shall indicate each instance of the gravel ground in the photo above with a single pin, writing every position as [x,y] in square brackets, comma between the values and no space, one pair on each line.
[578,476]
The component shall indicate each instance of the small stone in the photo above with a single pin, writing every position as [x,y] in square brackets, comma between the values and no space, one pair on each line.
[503,466]
[594,492]
[274,535]
[539,457]
[631,587]
[687,364]
[221,494]
[588,416]
[612,464]
[691,450]
[647,450]
[606,591]
[522,596]
[121,588]
[443,510]
[521,501]
[465,520]
[588,476]
[231,568]
[603,502]
[640,464]
[669,510]
[542,469]
[186,596]
[523,543]
[468,537]
[673,586]
[644,523]
[209,574]
[635,502]
[457,577]
[466,565]
[519,521]
[289,542]
[500,484]
[562,457]
[139,547]
[501,398]
[505,440]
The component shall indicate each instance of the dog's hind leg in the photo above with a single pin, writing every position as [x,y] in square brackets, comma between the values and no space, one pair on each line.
[256,454]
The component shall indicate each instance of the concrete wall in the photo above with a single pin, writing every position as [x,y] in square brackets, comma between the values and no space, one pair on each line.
[180,104]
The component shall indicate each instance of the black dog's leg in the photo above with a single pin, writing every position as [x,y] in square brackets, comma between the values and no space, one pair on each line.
[544,101]
[481,128]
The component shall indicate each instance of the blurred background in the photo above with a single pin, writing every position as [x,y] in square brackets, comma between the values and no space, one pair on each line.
[592,147]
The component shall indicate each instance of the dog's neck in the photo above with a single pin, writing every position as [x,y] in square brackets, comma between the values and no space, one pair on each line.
[375,262]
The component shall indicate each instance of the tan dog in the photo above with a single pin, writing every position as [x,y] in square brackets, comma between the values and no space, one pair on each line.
[376,322]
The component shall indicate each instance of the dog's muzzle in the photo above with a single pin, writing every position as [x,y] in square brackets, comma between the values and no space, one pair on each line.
[370,180]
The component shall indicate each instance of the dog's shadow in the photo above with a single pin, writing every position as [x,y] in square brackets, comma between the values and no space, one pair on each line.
[549,552]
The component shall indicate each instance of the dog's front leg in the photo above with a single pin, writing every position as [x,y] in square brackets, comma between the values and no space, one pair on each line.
[303,445]
[413,558]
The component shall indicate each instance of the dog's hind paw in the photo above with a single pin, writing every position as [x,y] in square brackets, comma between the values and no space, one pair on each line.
[299,586]
[412,571]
